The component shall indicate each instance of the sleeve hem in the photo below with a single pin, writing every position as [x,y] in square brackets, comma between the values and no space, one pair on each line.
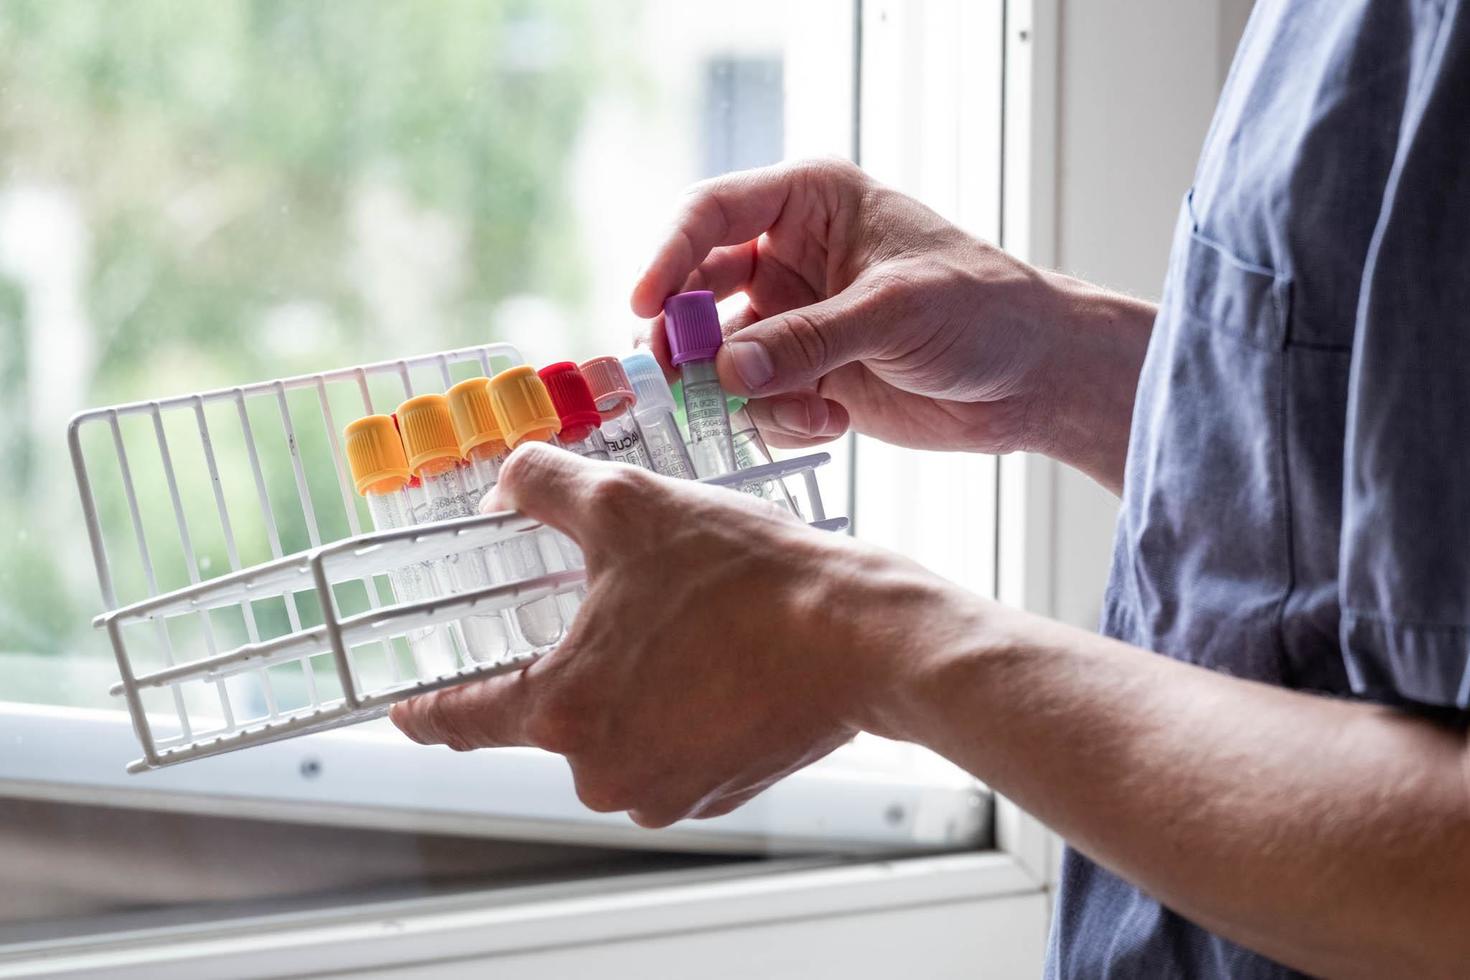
[1421,663]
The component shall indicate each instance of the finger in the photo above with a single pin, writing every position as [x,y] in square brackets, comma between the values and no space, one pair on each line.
[794,350]
[655,339]
[729,803]
[487,713]
[738,321]
[650,335]
[657,819]
[559,489]
[799,419]
[662,352]
[725,271]
[728,210]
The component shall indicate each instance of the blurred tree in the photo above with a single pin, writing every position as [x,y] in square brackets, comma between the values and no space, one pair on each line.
[270,186]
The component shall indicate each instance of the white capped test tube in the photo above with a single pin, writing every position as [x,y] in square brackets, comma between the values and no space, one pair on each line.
[654,411]
[750,450]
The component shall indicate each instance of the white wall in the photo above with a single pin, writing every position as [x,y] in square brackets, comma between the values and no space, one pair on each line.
[1137,85]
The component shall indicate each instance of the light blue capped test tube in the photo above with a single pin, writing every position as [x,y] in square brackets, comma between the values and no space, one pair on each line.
[654,410]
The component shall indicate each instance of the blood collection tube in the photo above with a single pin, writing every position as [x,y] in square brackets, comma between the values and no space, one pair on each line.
[750,450]
[653,408]
[380,473]
[614,396]
[581,423]
[433,456]
[524,410]
[692,325]
[483,444]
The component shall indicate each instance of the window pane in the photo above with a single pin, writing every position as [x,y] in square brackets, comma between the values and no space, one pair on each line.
[202,195]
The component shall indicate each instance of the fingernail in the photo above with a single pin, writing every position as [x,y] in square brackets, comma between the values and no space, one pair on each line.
[791,416]
[752,363]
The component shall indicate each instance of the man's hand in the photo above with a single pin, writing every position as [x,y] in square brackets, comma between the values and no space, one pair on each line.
[715,652]
[723,646]
[866,307]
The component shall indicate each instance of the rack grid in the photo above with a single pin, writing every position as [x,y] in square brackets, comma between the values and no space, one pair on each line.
[299,642]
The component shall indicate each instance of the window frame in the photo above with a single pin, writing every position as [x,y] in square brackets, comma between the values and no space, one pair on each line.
[1024,223]
[1025,854]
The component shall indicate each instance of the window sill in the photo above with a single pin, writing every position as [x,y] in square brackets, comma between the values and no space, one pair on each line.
[857,800]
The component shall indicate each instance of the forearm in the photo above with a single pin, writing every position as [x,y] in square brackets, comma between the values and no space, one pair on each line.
[1096,340]
[1330,835]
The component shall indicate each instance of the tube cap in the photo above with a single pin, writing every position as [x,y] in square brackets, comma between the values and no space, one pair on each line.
[428,434]
[611,389]
[571,396]
[650,388]
[413,480]
[692,325]
[472,414]
[374,452]
[522,406]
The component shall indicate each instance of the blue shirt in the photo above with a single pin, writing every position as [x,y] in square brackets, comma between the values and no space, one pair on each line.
[1296,504]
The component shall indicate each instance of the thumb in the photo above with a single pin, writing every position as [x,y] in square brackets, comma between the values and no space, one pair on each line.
[794,350]
[548,484]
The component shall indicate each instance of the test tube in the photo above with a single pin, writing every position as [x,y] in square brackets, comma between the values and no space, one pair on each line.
[613,393]
[692,325]
[516,559]
[750,450]
[380,473]
[433,456]
[480,440]
[581,423]
[525,412]
[653,408]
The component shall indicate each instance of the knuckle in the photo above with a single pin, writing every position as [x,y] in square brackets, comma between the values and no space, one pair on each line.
[561,725]
[600,794]
[833,170]
[442,722]
[522,463]
[806,339]
[652,819]
[706,210]
[616,494]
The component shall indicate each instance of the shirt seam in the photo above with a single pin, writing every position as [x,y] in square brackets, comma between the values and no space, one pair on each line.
[1380,619]
[1284,665]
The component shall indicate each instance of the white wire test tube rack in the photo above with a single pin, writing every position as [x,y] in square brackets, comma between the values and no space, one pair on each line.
[243,600]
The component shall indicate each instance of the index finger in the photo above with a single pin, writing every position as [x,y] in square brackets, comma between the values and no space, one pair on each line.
[726,210]
[488,713]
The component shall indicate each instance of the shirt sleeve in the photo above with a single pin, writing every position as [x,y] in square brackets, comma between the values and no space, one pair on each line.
[1404,577]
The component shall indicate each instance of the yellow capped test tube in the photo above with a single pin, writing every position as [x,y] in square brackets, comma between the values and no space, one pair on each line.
[517,559]
[380,473]
[433,456]
[524,409]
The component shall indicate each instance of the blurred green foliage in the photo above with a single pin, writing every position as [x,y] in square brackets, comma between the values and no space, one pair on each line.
[221,155]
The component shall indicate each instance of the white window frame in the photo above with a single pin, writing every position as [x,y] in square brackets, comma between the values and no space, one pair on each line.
[950,170]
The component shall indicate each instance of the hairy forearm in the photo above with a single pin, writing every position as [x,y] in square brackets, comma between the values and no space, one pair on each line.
[1097,341]
[1330,835]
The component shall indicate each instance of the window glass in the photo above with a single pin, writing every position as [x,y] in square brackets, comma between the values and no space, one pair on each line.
[196,196]
[203,195]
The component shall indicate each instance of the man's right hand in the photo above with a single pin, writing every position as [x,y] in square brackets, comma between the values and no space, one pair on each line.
[867,307]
